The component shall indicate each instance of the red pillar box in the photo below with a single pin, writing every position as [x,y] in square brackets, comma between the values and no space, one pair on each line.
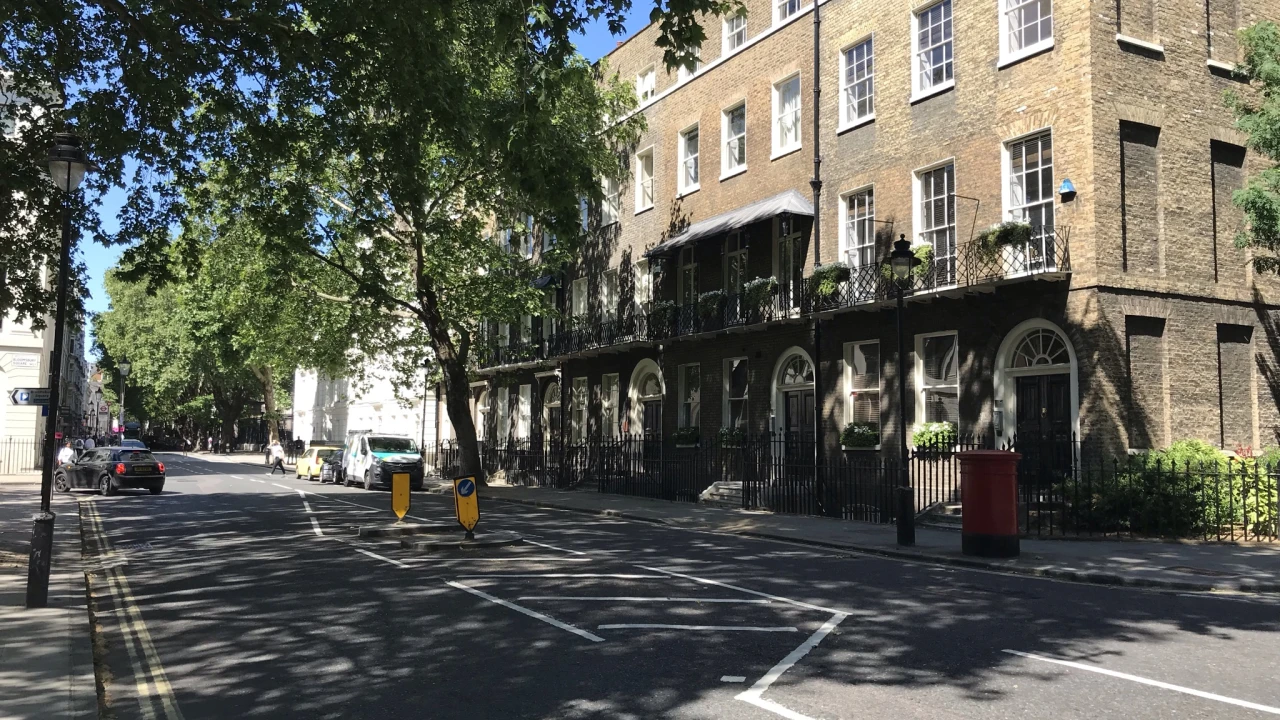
[989,489]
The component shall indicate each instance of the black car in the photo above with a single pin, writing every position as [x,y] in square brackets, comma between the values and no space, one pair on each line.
[109,469]
[331,469]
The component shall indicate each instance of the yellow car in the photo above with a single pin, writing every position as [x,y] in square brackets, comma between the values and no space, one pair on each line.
[310,462]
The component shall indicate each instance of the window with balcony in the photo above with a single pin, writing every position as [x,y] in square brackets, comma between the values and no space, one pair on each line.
[938,368]
[857,85]
[936,218]
[526,240]
[860,228]
[735,393]
[735,263]
[526,328]
[735,33]
[689,175]
[524,410]
[609,406]
[610,207]
[786,115]
[784,9]
[578,410]
[690,395]
[644,180]
[733,129]
[504,334]
[1026,28]
[482,415]
[550,323]
[687,280]
[584,214]
[579,306]
[1029,196]
[646,84]
[642,293]
[862,380]
[609,295]
[504,416]
[934,59]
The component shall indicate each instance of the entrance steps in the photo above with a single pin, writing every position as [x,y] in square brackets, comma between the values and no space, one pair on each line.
[725,494]
[945,516]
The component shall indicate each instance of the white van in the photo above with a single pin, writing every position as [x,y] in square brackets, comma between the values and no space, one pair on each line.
[372,458]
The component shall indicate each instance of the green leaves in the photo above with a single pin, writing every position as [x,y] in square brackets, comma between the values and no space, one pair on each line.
[1258,115]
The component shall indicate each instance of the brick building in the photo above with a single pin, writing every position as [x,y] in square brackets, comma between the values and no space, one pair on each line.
[1118,309]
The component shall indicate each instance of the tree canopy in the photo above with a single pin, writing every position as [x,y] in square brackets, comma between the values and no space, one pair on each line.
[1259,116]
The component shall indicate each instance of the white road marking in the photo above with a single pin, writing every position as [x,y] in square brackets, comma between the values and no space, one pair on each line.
[733,678]
[315,525]
[1154,683]
[616,576]
[526,611]
[553,547]
[755,694]
[307,505]
[648,599]
[286,487]
[397,563]
[301,494]
[705,581]
[661,626]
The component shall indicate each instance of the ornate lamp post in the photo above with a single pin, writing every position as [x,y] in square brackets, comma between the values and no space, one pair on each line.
[902,261]
[67,165]
[124,366]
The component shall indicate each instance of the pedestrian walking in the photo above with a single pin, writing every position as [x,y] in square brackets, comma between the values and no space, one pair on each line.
[89,444]
[277,458]
[66,455]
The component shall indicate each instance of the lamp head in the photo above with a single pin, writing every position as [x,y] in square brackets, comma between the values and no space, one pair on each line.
[902,260]
[67,162]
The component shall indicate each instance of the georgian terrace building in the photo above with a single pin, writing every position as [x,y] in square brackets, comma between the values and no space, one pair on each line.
[1120,311]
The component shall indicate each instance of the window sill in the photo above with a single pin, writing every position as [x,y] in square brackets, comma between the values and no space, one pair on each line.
[783,152]
[1220,65]
[1141,44]
[918,95]
[856,124]
[1016,57]
[644,209]
[733,173]
[689,190]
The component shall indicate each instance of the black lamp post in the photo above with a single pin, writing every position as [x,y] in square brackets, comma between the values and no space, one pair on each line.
[902,261]
[67,165]
[125,367]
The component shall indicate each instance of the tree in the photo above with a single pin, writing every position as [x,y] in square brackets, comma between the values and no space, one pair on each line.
[1259,116]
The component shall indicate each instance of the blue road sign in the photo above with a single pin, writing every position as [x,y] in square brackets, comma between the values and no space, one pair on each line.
[466,487]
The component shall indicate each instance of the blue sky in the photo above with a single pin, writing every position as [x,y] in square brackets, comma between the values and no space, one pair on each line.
[594,43]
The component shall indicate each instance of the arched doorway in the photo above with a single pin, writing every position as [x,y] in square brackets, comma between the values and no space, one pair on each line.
[645,393]
[551,418]
[794,402]
[1036,386]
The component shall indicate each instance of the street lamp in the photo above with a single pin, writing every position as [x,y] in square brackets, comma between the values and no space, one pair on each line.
[124,366]
[902,261]
[66,165]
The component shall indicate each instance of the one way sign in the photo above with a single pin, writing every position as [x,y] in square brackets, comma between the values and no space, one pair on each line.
[30,396]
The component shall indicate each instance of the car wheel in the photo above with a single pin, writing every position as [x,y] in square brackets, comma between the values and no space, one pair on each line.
[368,479]
[60,483]
[346,480]
[156,491]
[105,486]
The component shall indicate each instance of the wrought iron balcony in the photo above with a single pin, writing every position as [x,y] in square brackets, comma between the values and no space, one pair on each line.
[730,311]
[494,354]
[624,329]
[974,264]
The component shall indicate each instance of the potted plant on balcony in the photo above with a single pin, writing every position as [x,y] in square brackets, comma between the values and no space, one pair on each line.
[860,436]
[663,315]
[759,291]
[923,253]
[990,242]
[935,439]
[825,281]
[686,437]
[709,304]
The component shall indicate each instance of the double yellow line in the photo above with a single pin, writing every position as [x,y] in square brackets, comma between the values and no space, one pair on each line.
[153,689]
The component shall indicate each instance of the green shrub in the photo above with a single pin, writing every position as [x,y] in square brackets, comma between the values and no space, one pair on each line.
[686,436]
[989,241]
[709,303]
[923,253]
[826,280]
[759,290]
[664,312]
[860,435]
[934,436]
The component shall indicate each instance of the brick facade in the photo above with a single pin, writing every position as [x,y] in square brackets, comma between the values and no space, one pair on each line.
[1172,335]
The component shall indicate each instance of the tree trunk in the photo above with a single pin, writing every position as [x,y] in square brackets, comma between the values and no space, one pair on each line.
[458,403]
[267,378]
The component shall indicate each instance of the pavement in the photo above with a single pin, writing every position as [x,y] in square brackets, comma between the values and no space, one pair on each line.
[238,594]
[1189,566]
[46,655]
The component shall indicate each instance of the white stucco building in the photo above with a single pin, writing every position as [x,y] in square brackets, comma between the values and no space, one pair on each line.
[327,408]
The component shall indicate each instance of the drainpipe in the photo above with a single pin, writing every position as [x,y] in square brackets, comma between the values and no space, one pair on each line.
[816,185]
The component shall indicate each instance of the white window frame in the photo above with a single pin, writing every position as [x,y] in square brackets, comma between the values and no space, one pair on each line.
[611,204]
[504,415]
[578,299]
[609,295]
[642,292]
[526,329]
[784,10]
[609,425]
[646,84]
[504,334]
[918,89]
[528,237]
[735,251]
[482,415]
[691,417]
[734,34]
[849,389]
[578,401]
[684,74]
[778,149]
[917,206]
[524,412]
[687,279]
[682,183]
[549,321]
[920,386]
[849,244]
[726,137]
[584,213]
[1008,55]
[644,180]
[727,373]
[847,120]
[1006,166]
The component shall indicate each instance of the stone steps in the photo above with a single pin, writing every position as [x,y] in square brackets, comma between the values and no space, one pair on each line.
[725,494]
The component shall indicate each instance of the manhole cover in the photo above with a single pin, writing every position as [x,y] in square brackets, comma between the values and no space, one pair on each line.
[1199,571]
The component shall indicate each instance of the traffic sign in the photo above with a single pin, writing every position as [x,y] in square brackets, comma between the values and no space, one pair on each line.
[400,494]
[466,502]
[30,396]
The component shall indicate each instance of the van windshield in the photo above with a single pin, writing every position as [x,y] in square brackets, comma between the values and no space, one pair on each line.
[392,444]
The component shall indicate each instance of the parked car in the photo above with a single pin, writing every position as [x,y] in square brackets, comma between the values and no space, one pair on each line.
[331,468]
[109,469]
[309,462]
[372,459]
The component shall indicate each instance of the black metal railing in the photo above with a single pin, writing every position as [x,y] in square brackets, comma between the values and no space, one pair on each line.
[20,455]
[973,263]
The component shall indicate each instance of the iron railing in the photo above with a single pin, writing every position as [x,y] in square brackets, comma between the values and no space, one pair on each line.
[20,455]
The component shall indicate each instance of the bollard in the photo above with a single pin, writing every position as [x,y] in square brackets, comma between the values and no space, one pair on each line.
[38,564]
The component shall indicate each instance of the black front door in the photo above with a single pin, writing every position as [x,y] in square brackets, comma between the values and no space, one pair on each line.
[1044,426]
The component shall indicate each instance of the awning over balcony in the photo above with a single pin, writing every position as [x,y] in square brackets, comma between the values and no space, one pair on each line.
[789,201]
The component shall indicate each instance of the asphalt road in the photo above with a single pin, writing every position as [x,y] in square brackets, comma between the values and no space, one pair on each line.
[239,595]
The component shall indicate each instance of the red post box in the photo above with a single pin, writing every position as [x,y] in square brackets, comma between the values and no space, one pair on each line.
[989,490]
